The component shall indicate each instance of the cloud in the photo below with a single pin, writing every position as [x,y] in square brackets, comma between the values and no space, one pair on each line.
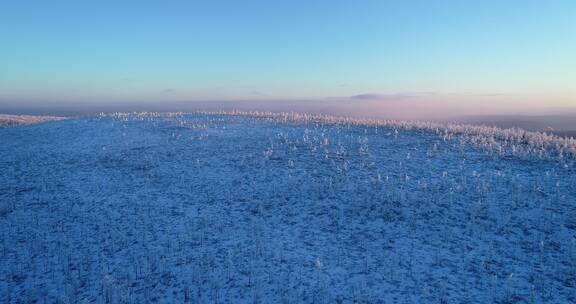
[414,95]
[492,94]
[256,93]
[384,97]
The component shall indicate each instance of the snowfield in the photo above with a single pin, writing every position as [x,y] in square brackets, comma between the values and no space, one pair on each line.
[284,208]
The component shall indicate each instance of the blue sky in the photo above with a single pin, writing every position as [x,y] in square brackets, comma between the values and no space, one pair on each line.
[90,51]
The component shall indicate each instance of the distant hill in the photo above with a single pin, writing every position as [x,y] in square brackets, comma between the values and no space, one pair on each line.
[16,120]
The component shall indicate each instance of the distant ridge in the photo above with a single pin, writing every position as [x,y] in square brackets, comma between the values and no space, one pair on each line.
[7,121]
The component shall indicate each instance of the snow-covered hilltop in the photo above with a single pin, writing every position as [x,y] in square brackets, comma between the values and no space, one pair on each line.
[16,120]
[284,208]
[513,141]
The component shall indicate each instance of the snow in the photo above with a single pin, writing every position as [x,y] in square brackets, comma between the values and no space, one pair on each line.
[294,208]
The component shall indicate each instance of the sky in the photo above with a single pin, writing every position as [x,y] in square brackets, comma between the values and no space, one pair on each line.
[404,56]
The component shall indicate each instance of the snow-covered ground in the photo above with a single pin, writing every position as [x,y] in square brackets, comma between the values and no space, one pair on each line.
[16,120]
[263,208]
